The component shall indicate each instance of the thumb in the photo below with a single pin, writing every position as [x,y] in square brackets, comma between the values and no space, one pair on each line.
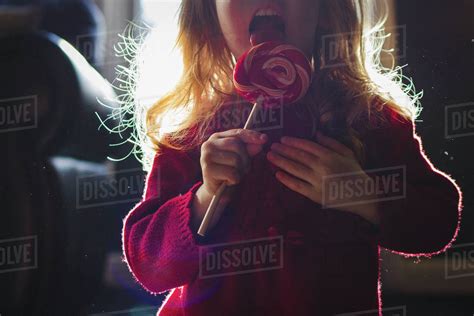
[254,149]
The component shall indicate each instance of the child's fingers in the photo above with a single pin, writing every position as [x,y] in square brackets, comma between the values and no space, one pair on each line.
[228,158]
[295,184]
[224,173]
[303,157]
[334,145]
[291,167]
[245,135]
[309,146]
[234,145]
[254,149]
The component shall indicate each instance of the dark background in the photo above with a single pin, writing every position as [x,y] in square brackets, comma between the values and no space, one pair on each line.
[44,169]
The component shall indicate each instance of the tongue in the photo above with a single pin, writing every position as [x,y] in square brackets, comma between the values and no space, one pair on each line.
[266,30]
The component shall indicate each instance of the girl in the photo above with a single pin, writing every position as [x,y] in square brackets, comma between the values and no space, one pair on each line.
[352,121]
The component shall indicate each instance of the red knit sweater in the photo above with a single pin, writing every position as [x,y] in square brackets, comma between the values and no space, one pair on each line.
[330,258]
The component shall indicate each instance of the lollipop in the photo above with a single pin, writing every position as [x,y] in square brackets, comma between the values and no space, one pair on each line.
[269,74]
[278,72]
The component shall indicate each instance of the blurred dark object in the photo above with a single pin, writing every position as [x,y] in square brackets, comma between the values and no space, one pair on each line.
[68,92]
[80,22]
[439,45]
[49,138]
[77,21]
[440,59]
[15,19]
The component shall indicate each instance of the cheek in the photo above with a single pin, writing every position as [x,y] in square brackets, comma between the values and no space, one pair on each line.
[231,15]
[303,22]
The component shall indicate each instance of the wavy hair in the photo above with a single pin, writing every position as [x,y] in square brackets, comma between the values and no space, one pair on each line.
[345,89]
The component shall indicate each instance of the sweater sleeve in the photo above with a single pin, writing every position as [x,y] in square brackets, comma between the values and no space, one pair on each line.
[426,221]
[159,247]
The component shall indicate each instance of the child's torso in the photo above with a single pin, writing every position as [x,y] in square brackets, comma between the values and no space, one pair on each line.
[329,258]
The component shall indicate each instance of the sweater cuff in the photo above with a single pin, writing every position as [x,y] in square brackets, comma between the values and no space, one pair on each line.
[188,237]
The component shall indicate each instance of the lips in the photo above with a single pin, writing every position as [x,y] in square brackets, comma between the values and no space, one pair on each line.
[266,28]
[267,21]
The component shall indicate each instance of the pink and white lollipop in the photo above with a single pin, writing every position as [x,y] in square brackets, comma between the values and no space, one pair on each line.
[276,71]
[271,73]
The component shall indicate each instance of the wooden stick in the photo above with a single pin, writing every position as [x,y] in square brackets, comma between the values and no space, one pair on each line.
[217,196]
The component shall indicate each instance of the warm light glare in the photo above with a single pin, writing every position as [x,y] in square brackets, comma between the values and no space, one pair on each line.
[159,65]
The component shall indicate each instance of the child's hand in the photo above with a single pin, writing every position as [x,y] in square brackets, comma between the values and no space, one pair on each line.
[306,163]
[225,156]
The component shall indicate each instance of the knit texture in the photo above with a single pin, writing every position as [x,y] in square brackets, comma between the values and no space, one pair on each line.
[330,257]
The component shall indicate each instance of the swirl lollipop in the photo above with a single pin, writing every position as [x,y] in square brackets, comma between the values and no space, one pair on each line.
[268,74]
[278,72]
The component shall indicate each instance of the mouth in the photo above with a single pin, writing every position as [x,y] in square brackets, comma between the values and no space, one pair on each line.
[267,24]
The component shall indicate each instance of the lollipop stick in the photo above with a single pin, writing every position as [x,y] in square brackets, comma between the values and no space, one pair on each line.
[217,196]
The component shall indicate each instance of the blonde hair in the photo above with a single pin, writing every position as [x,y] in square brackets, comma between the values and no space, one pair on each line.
[342,95]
